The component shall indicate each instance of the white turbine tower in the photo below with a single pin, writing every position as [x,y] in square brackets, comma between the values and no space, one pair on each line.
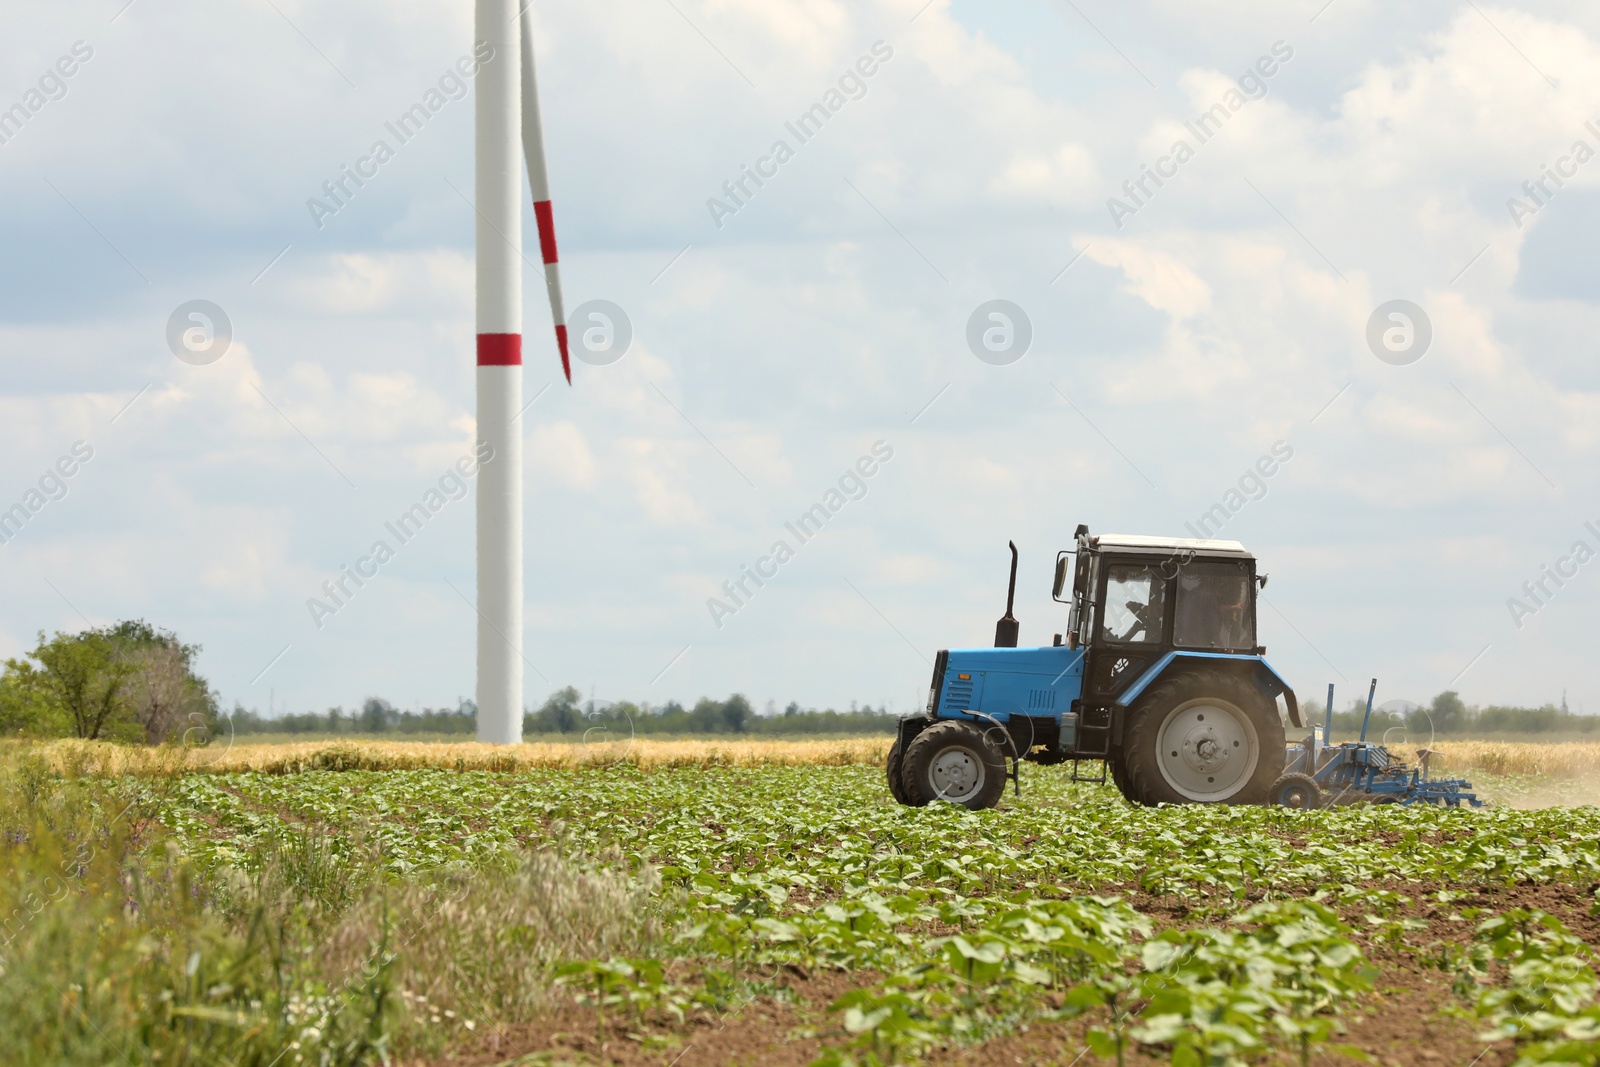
[502,85]
[499,241]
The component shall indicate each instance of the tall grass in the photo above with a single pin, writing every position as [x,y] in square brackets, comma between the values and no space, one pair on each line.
[115,949]
[112,952]
[479,947]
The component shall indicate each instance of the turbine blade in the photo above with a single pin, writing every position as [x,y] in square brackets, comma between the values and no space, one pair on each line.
[539,181]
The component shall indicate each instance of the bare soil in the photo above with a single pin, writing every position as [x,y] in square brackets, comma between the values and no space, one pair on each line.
[1406,1022]
[768,1031]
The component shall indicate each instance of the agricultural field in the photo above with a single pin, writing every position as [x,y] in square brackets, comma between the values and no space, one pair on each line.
[764,903]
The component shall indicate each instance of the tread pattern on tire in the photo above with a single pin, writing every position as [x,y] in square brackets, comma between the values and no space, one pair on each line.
[896,759]
[1141,780]
[1119,777]
[922,750]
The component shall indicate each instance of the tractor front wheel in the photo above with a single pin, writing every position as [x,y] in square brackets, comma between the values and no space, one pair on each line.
[1202,737]
[896,762]
[953,761]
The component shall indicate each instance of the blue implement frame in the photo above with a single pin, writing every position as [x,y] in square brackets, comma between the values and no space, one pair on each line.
[1357,771]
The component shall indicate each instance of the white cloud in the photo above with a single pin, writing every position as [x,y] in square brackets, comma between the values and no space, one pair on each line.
[561,450]
[361,284]
[1159,279]
[1064,176]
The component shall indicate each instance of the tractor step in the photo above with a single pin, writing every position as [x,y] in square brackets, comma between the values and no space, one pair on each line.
[1078,776]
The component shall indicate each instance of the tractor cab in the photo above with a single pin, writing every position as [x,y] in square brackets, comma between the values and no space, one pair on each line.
[1138,603]
[1163,592]
[1158,678]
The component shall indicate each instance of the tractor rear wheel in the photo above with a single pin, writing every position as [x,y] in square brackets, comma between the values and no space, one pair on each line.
[953,761]
[1119,777]
[897,789]
[1202,737]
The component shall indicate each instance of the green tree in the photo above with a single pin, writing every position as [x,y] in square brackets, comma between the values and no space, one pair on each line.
[736,714]
[1448,712]
[559,715]
[26,712]
[706,717]
[376,716]
[124,682]
[83,678]
[166,697]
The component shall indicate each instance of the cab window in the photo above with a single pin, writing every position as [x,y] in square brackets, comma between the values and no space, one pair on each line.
[1135,604]
[1214,610]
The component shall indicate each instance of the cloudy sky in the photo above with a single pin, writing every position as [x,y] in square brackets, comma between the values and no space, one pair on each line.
[1355,155]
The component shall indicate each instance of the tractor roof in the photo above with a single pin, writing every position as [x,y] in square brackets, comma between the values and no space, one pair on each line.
[1197,545]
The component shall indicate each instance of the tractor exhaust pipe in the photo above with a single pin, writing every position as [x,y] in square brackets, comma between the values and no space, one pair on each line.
[1005,631]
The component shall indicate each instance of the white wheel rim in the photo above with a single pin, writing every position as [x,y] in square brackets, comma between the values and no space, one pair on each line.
[1207,750]
[956,773]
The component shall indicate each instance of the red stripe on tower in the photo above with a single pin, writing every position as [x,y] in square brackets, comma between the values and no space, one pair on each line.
[547,230]
[500,350]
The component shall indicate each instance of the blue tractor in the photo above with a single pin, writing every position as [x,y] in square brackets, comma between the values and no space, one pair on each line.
[1158,681]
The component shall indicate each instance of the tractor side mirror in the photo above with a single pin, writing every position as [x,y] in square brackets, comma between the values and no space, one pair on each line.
[1061,576]
[1262,578]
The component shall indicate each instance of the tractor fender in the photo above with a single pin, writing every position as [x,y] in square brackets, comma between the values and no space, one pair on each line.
[910,726]
[1258,668]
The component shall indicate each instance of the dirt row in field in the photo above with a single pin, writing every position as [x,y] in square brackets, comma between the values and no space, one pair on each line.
[1403,1023]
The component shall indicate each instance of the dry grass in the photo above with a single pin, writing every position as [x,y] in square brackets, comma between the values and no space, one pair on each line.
[100,758]
[482,944]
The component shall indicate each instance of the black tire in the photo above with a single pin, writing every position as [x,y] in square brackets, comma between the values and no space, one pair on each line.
[1119,777]
[953,761]
[1172,755]
[1295,790]
[897,789]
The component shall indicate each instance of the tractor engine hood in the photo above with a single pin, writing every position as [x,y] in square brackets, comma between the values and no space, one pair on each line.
[1001,682]
[1006,681]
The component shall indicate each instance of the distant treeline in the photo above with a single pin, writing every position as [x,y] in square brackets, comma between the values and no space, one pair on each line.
[1447,716]
[374,717]
[566,712]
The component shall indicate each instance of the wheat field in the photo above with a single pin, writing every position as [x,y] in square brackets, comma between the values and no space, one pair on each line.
[1568,759]
[1506,758]
[102,758]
